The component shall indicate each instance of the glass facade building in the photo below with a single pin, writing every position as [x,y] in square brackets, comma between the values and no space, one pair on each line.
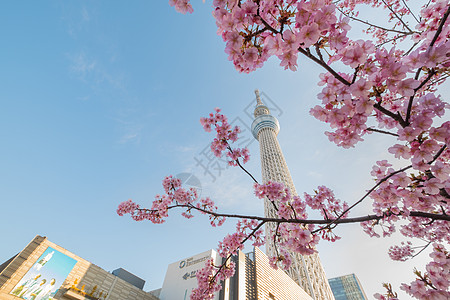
[347,287]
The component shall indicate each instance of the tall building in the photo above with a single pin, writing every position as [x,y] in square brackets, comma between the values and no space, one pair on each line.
[44,270]
[347,287]
[253,279]
[307,271]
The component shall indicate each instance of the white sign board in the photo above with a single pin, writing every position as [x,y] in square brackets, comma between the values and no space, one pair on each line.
[181,278]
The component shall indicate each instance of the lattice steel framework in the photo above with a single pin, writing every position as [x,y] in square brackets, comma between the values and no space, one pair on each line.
[307,271]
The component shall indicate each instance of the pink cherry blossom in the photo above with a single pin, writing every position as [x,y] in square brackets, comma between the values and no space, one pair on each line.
[385,82]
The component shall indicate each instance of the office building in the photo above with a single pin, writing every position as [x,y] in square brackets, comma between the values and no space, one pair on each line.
[347,287]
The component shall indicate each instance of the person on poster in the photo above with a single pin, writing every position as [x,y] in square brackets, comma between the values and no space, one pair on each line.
[43,261]
[26,285]
[45,293]
[34,291]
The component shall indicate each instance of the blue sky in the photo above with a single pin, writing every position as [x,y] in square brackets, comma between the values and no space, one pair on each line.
[101,99]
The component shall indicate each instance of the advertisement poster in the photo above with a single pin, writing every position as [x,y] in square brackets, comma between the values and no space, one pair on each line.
[45,277]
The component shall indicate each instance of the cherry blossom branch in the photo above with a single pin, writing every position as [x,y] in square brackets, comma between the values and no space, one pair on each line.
[355,74]
[441,78]
[441,25]
[240,165]
[265,23]
[373,25]
[399,18]
[394,116]
[432,216]
[247,237]
[393,39]
[407,7]
[411,49]
[411,98]
[324,65]
[379,183]
[423,248]
[275,239]
[430,75]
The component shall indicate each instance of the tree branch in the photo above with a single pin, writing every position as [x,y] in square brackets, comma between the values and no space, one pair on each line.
[399,18]
[240,166]
[325,65]
[381,131]
[372,25]
[441,25]
[414,16]
[432,216]
[396,117]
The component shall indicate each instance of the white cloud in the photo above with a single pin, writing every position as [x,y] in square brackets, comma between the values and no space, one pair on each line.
[81,65]
[85,16]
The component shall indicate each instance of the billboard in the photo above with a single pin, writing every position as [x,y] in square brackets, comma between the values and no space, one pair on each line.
[44,278]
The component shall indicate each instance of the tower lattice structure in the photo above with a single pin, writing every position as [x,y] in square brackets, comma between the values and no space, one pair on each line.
[307,270]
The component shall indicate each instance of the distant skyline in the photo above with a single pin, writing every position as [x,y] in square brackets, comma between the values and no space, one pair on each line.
[101,100]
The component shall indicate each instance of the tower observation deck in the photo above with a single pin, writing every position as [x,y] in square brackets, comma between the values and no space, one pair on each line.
[307,271]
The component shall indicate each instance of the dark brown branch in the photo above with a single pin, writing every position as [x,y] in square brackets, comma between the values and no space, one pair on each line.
[394,116]
[243,169]
[437,154]
[265,23]
[430,75]
[432,216]
[275,234]
[355,74]
[411,99]
[325,65]
[319,54]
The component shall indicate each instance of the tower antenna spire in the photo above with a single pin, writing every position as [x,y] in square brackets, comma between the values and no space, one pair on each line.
[258,98]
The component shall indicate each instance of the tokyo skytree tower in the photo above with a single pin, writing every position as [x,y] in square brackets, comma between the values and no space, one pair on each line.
[307,270]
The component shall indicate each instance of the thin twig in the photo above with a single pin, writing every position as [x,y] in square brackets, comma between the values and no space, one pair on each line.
[399,18]
[411,49]
[414,16]
[424,247]
[393,39]
[383,180]
[381,131]
[370,24]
